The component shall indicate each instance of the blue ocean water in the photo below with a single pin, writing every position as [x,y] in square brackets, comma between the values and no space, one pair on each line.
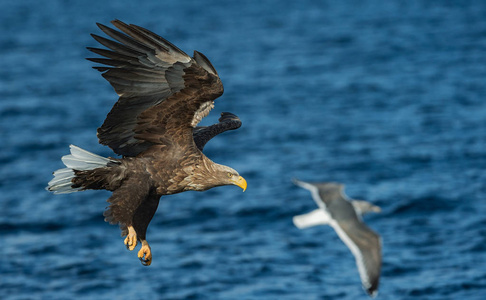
[388,98]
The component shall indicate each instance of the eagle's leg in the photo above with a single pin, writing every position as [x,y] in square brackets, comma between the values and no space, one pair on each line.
[145,254]
[141,219]
[131,239]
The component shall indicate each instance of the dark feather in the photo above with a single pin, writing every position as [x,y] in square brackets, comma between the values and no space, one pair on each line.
[126,199]
[204,62]
[161,89]
[112,55]
[144,214]
[120,48]
[203,134]
[141,36]
[158,38]
[125,40]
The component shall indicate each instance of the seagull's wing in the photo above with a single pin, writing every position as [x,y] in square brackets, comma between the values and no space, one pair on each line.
[365,245]
[313,218]
[314,189]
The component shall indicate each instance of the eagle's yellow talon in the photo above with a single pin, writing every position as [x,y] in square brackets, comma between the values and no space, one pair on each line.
[131,239]
[145,255]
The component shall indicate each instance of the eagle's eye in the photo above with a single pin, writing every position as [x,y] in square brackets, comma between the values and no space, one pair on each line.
[230,175]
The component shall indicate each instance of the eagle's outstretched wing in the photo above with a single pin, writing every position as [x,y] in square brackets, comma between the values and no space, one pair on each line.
[203,134]
[163,92]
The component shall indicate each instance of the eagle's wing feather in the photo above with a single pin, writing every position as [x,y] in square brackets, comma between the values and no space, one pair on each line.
[163,92]
[203,134]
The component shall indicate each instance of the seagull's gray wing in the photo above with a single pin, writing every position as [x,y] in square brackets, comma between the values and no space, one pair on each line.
[322,193]
[365,245]
[314,191]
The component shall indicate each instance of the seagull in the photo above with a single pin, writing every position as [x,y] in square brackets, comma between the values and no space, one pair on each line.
[344,215]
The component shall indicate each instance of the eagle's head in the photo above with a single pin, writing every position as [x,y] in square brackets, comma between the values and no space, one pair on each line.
[228,176]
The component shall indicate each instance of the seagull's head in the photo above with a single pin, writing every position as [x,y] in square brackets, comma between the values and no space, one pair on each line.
[362,207]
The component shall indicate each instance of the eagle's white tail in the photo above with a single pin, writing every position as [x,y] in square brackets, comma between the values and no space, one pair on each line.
[315,217]
[79,159]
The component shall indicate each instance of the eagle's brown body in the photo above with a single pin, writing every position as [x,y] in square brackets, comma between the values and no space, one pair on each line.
[164,94]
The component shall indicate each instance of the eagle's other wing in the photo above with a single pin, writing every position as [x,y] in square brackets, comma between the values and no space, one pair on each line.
[163,93]
[227,121]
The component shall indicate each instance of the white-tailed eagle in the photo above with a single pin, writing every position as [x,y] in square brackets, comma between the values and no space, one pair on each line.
[163,95]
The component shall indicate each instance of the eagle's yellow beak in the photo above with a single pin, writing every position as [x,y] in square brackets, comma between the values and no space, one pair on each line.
[241,182]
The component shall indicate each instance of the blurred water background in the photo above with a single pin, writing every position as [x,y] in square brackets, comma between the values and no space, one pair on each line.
[387,97]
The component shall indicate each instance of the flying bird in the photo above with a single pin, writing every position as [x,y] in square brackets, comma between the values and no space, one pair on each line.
[163,95]
[344,215]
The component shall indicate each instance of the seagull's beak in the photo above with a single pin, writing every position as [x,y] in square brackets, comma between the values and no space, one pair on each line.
[241,182]
[376,209]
